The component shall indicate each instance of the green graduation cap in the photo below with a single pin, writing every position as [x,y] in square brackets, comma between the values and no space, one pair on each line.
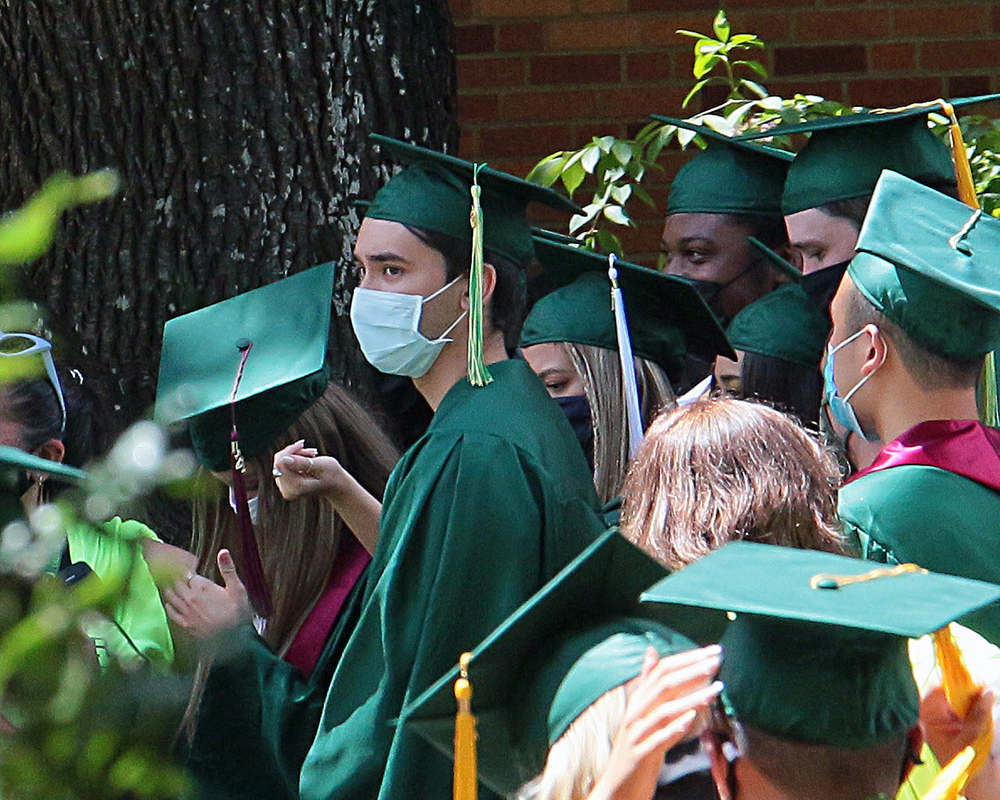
[286,325]
[929,263]
[729,176]
[816,652]
[667,318]
[845,155]
[579,637]
[783,324]
[433,193]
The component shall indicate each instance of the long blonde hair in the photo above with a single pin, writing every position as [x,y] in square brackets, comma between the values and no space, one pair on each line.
[724,469]
[581,754]
[298,540]
[600,370]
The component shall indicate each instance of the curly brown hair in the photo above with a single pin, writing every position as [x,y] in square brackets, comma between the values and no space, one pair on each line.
[725,469]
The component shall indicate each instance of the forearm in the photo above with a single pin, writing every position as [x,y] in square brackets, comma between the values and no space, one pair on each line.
[359,509]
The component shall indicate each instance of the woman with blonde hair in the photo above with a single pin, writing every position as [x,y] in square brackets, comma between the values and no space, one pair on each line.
[724,469]
[569,339]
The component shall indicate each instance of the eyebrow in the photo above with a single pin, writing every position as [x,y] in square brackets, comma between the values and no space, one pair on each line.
[550,371]
[381,258]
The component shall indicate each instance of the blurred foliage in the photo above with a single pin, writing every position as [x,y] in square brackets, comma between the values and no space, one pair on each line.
[612,169]
[69,728]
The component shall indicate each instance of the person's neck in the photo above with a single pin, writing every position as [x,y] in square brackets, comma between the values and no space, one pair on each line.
[915,406]
[451,366]
[752,784]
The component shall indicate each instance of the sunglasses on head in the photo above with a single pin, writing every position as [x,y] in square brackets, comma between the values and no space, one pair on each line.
[16,345]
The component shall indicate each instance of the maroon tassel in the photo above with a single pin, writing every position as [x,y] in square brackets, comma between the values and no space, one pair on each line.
[252,567]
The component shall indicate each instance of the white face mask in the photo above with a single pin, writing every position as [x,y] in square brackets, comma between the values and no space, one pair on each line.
[387,325]
[253,504]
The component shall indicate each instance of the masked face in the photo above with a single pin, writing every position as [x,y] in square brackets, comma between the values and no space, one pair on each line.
[404,309]
[820,286]
[577,411]
[713,253]
[387,325]
[840,407]
[820,240]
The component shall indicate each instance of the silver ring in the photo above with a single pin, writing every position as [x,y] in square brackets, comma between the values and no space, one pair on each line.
[277,473]
[188,578]
[311,465]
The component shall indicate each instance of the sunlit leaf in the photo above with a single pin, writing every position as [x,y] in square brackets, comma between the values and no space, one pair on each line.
[617,215]
[590,155]
[547,171]
[573,176]
[721,25]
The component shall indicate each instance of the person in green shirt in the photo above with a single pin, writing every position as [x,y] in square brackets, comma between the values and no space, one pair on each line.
[914,316]
[490,503]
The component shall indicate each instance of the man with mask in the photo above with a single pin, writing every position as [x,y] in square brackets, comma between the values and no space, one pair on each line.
[489,503]
[915,314]
[725,194]
[830,182]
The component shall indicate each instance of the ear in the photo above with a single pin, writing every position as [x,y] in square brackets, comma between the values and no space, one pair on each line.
[52,450]
[878,349]
[489,284]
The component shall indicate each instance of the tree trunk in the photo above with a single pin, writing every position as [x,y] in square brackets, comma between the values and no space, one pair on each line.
[240,131]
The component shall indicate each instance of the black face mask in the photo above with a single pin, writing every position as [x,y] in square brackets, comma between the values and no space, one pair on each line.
[820,286]
[577,411]
[711,293]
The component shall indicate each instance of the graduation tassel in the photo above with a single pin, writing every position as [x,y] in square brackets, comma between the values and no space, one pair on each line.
[465,776]
[961,692]
[949,783]
[989,407]
[479,375]
[631,389]
[253,569]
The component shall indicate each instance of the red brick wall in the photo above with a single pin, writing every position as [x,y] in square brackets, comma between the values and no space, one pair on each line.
[536,76]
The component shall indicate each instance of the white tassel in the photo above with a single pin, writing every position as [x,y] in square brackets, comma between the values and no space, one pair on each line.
[697,392]
[632,412]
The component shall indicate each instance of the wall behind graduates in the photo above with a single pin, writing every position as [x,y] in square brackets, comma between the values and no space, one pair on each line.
[535,76]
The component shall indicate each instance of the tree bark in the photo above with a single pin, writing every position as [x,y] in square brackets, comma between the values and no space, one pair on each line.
[240,132]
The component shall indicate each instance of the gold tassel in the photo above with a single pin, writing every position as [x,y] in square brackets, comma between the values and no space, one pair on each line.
[465,736]
[961,692]
[989,410]
[949,783]
[479,375]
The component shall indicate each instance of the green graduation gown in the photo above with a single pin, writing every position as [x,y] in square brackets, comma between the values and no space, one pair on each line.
[486,507]
[931,516]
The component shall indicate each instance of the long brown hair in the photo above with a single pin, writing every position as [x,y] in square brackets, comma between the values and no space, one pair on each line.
[600,370]
[298,540]
[725,469]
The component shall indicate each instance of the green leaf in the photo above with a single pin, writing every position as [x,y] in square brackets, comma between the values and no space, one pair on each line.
[694,90]
[621,193]
[692,34]
[577,221]
[754,87]
[617,215]
[547,171]
[685,137]
[590,155]
[614,174]
[605,143]
[572,177]
[708,47]
[607,242]
[744,39]
[622,151]
[703,64]
[643,195]
[721,25]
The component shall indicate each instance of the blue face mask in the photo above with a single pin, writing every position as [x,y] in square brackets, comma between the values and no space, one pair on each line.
[840,407]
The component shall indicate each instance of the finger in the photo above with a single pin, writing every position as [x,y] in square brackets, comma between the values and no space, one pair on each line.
[309,452]
[175,616]
[649,661]
[290,449]
[665,713]
[298,464]
[667,736]
[228,569]
[663,679]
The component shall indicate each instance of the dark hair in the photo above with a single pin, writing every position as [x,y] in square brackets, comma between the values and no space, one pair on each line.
[793,388]
[34,406]
[768,229]
[931,370]
[854,209]
[507,305]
